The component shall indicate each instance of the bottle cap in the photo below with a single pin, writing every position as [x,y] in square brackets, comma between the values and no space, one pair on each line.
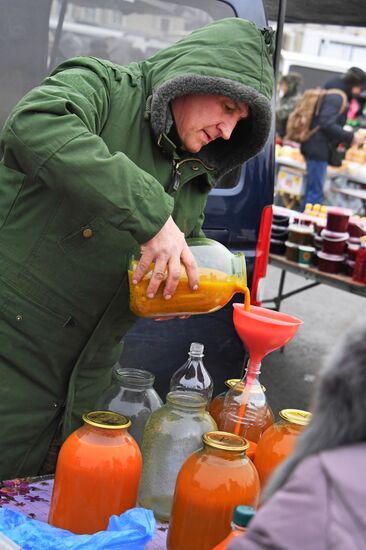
[296,416]
[243,515]
[233,383]
[225,441]
[107,419]
[196,348]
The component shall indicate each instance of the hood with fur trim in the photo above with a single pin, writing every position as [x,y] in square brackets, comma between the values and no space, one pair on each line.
[230,57]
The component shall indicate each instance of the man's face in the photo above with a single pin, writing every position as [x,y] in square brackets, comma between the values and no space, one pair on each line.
[203,118]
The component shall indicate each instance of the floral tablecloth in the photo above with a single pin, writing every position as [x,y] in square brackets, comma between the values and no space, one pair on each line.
[31,497]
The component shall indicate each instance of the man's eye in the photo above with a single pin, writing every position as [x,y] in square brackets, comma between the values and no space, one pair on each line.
[229,108]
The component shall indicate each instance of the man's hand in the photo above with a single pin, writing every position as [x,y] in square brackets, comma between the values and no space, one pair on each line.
[168,249]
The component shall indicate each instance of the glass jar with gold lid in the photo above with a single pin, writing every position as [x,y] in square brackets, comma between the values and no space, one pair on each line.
[97,474]
[279,440]
[221,274]
[211,483]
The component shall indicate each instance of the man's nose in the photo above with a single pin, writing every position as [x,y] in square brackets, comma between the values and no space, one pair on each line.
[226,128]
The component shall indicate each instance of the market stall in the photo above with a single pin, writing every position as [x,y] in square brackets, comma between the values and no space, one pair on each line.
[345,184]
[321,245]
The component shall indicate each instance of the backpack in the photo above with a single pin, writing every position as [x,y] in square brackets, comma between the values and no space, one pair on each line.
[308,106]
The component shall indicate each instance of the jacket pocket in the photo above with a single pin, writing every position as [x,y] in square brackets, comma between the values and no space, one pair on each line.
[11,183]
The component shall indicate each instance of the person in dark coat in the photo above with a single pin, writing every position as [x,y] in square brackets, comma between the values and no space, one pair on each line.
[288,96]
[319,149]
[317,498]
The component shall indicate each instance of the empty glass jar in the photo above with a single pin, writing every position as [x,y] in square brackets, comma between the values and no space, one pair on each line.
[221,275]
[171,434]
[131,394]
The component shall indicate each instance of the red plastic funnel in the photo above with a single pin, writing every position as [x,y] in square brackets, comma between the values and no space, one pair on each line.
[263,330]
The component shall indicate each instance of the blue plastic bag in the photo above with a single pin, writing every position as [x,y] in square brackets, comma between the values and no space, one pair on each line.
[129,531]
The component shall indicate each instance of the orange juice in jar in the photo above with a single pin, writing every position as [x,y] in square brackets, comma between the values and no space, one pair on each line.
[97,474]
[278,441]
[259,408]
[221,275]
[210,484]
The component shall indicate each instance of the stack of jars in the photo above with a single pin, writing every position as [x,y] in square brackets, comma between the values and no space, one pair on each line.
[334,240]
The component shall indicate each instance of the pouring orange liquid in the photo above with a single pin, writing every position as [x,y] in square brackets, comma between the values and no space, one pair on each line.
[215,290]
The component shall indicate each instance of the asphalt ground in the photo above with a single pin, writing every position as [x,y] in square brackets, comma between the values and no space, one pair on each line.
[290,374]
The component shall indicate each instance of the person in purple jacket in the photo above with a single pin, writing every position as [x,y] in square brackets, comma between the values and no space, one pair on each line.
[316,500]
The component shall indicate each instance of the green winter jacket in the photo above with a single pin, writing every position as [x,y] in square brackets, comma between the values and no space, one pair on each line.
[86,177]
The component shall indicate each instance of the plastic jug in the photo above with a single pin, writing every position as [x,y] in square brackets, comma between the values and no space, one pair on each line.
[193,375]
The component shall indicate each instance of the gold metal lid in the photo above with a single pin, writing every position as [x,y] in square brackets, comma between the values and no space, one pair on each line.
[225,441]
[231,382]
[296,416]
[107,419]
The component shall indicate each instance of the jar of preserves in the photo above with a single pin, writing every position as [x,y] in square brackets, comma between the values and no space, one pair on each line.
[133,395]
[211,483]
[278,441]
[171,434]
[97,474]
[258,413]
[221,275]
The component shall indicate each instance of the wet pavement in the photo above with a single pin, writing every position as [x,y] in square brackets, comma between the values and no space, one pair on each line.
[326,312]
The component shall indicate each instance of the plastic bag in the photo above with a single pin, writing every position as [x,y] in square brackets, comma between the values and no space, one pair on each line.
[129,531]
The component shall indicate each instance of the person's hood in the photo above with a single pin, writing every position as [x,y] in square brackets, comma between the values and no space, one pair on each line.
[230,57]
[340,84]
[293,82]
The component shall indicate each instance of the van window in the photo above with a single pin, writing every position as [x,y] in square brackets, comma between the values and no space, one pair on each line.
[36,36]
[124,31]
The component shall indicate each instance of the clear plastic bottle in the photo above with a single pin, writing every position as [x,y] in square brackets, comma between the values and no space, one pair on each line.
[359,273]
[241,519]
[133,395]
[171,434]
[193,375]
[245,409]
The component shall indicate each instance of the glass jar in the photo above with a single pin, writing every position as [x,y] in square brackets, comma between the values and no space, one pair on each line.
[210,484]
[278,441]
[171,434]
[97,474]
[131,394]
[221,275]
[258,415]
[193,376]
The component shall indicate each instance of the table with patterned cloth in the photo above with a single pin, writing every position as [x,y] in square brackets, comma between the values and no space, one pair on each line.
[32,496]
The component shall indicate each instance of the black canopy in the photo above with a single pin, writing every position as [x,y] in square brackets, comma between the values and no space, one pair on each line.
[324,12]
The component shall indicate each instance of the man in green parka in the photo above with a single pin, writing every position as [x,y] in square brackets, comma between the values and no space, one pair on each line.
[100,161]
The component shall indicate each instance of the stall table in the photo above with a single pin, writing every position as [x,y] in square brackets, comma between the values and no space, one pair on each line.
[343,282]
[32,496]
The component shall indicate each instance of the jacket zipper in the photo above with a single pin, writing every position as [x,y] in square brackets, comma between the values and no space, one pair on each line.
[174,186]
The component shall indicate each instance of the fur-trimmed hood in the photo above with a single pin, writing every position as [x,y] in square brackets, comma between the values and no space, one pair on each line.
[230,57]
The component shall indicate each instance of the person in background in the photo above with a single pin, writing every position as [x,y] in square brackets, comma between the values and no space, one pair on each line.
[317,498]
[99,162]
[320,149]
[288,96]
